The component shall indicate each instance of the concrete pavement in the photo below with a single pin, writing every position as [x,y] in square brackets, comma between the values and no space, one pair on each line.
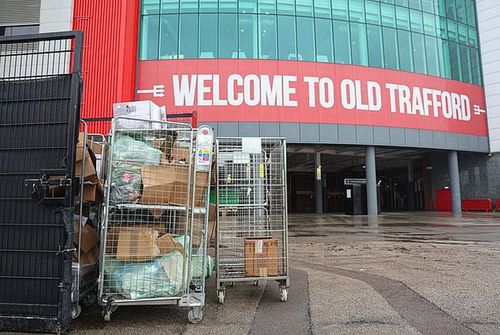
[410,273]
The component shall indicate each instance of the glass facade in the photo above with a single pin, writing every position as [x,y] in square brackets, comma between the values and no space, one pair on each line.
[434,37]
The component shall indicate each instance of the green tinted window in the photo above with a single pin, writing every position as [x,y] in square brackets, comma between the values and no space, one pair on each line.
[286,7]
[416,21]
[432,56]
[475,66]
[248,35]
[188,36]
[464,63]
[359,44]
[267,6]
[388,15]
[169,6]
[473,38]
[375,50]
[228,6]
[150,6]
[429,24]
[456,72]
[148,46]
[340,10]
[435,37]
[189,6]
[305,45]
[286,38]
[324,40]
[419,61]
[228,36]
[373,12]
[391,59]
[402,18]
[247,6]
[415,4]
[357,10]
[304,7]
[323,8]
[169,36]
[405,51]
[208,36]
[268,37]
[342,42]
[209,6]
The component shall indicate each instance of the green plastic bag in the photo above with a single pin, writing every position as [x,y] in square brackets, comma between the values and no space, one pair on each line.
[127,149]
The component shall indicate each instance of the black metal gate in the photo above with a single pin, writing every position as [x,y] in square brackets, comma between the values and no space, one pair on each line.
[40,88]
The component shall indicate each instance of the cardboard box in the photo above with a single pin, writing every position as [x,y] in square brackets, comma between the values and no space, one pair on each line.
[180,154]
[91,257]
[89,239]
[90,171]
[168,184]
[167,244]
[144,110]
[92,192]
[157,181]
[137,244]
[261,257]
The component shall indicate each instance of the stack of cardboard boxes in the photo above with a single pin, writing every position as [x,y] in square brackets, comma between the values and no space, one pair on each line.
[86,162]
[88,243]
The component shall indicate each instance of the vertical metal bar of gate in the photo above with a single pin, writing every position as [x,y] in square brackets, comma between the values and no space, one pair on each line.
[40,90]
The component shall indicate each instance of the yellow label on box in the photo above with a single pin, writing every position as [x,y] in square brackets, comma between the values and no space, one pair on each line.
[261,169]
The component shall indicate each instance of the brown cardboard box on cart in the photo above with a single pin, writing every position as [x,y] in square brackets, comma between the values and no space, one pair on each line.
[167,244]
[179,194]
[89,162]
[92,191]
[261,257]
[168,184]
[212,223]
[157,181]
[137,244]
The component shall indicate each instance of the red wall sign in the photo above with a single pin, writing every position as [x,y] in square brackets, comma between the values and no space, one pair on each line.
[288,91]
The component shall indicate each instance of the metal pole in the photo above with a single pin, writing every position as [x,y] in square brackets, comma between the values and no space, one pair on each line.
[318,185]
[456,198]
[371,181]
[411,186]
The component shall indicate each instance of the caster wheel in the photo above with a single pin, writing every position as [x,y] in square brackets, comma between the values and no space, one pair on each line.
[221,295]
[89,299]
[230,284]
[107,316]
[193,318]
[255,283]
[283,294]
[76,310]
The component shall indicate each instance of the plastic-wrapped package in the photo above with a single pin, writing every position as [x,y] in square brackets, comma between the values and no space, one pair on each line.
[127,149]
[141,280]
[197,265]
[173,265]
[125,184]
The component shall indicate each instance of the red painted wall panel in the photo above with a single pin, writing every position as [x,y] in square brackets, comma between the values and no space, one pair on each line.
[109,55]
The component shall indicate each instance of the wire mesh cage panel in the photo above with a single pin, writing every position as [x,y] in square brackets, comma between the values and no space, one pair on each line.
[156,213]
[252,228]
[40,84]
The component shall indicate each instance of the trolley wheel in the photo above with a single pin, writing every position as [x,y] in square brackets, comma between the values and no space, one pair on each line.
[195,315]
[107,316]
[89,299]
[283,294]
[76,310]
[221,295]
[255,283]
[230,284]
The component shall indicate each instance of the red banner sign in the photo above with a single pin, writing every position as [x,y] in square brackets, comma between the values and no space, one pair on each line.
[288,91]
